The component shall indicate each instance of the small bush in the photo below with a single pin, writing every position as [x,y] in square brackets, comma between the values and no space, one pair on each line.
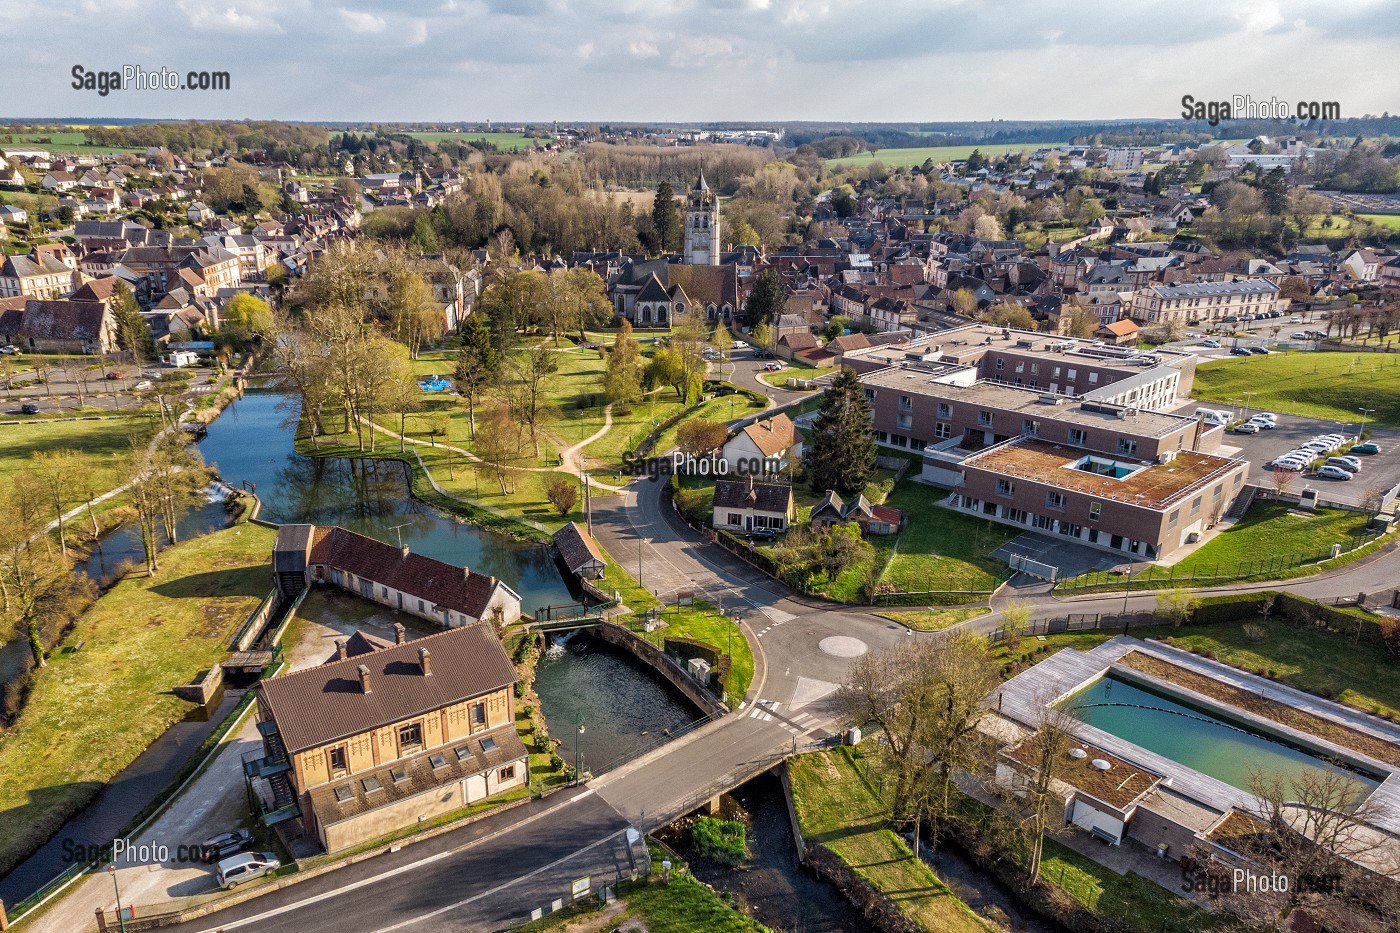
[722,841]
[1255,632]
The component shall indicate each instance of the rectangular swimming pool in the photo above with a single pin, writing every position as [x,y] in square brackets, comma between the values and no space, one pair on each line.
[1200,738]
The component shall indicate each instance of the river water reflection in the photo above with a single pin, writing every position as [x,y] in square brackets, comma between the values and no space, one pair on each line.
[253,442]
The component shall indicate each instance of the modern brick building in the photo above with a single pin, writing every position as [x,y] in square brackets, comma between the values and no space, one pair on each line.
[1144,509]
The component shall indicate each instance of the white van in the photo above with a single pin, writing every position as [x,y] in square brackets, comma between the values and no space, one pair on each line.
[1214,416]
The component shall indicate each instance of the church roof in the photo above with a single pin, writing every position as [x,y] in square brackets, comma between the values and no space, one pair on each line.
[700,182]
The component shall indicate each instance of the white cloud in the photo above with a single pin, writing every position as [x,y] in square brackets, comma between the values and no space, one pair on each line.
[640,48]
[229,19]
[357,21]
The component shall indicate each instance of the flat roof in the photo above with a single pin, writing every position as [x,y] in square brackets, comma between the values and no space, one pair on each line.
[968,340]
[1119,785]
[1151,486]
[924,380]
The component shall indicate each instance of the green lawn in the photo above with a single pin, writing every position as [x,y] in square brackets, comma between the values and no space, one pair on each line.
[104,442]
[702,622]
[1141,904]
[1389,221]
[93,711]
[933,620]
[1272,539]
[1273,529]
[940,549]
[904,158]
[837,809]
[1331,385]
[779,379]
[685,905]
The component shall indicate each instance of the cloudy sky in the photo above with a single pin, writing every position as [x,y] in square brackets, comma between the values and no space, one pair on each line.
[701,60]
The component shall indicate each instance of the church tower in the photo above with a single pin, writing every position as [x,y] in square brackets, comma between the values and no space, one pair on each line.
[701,225]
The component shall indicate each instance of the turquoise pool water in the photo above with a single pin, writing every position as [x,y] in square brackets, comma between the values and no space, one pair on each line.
[1196,737]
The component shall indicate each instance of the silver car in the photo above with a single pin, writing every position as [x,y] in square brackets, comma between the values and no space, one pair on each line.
[241,868]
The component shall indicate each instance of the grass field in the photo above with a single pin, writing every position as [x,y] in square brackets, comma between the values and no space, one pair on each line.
[1389,221]
[506,141]
[1327,385]
[92,711]
[71,140]
[904,158]
[940,549]
[104,442]
[837,809]
[1272,529]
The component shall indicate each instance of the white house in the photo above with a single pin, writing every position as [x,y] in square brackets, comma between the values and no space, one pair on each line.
[763,447]
[746,507]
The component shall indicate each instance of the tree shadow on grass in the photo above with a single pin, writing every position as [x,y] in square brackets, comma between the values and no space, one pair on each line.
[234,581]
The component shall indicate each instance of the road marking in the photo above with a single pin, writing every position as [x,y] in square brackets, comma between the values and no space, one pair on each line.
[500,887]
[412,866]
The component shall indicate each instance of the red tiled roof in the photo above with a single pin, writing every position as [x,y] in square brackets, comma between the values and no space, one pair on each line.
[450,587]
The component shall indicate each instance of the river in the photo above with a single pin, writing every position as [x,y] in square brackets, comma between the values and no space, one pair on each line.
[253,442]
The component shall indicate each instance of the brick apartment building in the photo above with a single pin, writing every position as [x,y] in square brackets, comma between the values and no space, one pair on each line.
[1139,508]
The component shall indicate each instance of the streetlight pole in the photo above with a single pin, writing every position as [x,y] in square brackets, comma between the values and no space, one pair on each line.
[578,772]
[1365,413]
[640,542]
[1127,589]
[121,921]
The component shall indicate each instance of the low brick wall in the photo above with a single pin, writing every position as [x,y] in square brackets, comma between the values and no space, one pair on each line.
[658,661]
[204,690]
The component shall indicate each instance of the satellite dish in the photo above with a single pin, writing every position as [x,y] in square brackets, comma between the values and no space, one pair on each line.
[1078,753]
[1101,764]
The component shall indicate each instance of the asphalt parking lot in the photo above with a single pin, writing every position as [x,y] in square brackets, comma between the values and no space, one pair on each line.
[74,384]
[1381,470]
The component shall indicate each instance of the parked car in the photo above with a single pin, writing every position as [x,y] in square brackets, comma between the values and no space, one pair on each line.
[1213,344]
[1246,427]
[1259,351]
[222,845]
[150,374]
[1299,336]
[1366,448]
[1262,423]
[1292,466]
[772,367]
[1240,351]
[115,375]
[9,350]
[240,868]
[1332,472]
[1231,319]
[1295,319]
[739,345]
[143,385]
[1346,462]
[1265,416]
[29,408]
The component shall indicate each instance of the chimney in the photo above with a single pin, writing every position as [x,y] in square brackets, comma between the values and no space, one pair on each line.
[364,679]
[340,653]
[424,660]
[403,549]
[400,633]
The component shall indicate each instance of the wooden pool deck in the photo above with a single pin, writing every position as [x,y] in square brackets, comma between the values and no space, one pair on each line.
[1066,671]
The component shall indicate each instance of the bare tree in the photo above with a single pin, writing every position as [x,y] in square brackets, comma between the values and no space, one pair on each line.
[526,393]
[925,699]
[1042,759]
[1315,833]
[1282,479]
[56,473]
